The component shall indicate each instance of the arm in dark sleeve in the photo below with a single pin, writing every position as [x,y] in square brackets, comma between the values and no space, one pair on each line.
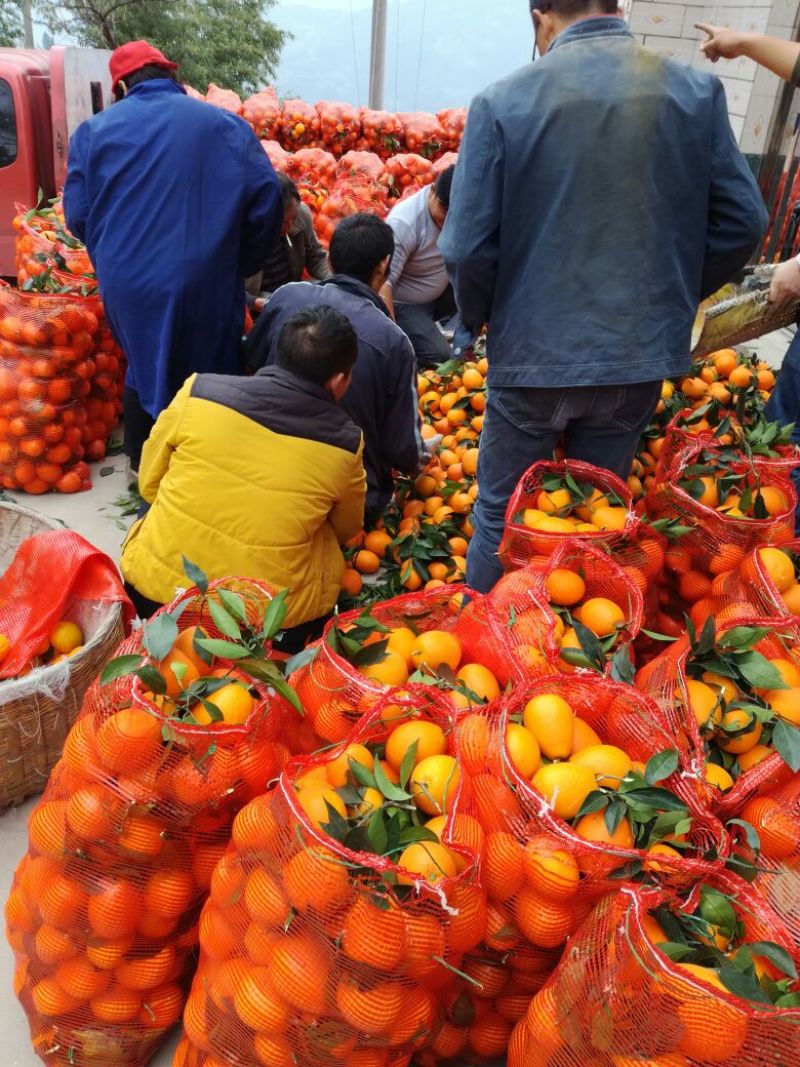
[347,515]
[76,200]
[316,257]
[263,215]
[403,447]
[260,343]
[471,236]
[737,217]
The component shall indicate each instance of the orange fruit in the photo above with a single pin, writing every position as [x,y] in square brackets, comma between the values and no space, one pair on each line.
[609,764]
[602,616]
[551,720]
[178,680]
[565,587]
[233,701]
[391,670]
[264,898]
[185,644]
[315,802]
[523,750]
[774,500]
[704,703]
[791,599]
[300,969]
[59,901]
[473,734]
[316,878]
[91,812]
[65,636]
[366,562]
[50,999]
[169,893]
[338,771]
[434,784]
[734,720]
[479,680]
[374,934]
[778,566]
[128,740]
[352,582]
[777,828]
[116,1006]
[554,501]
[550,871]
[546,923]
[583,735]
[114,909]
[369,1009]
[786,705]
[257,1004]
[434,649]
[503,870]
[147,972]
[565,786]
[429,738]
[754,756]
[713,1030]
[400,639]
[428,860]
[593,828]
[377,542]
[609,518]
[718,776]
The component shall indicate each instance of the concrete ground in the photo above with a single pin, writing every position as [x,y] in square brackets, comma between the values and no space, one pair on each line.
[99,516]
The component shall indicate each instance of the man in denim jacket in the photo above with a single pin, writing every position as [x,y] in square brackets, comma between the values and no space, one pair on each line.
[599,197]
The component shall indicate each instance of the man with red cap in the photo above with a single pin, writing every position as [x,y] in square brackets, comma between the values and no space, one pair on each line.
[176,202]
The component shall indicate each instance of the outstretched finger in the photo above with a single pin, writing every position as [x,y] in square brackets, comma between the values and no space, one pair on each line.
[706,27]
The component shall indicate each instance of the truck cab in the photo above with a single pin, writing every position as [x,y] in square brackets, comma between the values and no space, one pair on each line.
[44,96]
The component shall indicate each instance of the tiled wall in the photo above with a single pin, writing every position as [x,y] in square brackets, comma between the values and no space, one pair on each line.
[751,91]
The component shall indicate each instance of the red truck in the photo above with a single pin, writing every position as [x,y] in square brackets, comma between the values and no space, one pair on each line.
[44,96]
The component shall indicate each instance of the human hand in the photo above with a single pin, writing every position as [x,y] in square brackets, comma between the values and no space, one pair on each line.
[722,42]
[432,443]
[785,287]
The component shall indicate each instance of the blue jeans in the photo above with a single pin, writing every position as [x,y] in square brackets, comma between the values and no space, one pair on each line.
[599,424]
[784,405]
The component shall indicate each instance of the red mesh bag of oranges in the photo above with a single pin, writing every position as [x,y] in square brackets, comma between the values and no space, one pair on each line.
[409,171]
[312,166]
[345,905]
[765,583]
[340,126]
[46,371]
[299,126]
[43,241]
[725,504]
[566,499]
[423,134]
[103,910]
[453,120]
[592,609]
[449,159]
[430,636]
[656,979]
[733,691]
[382,132]
[576,783]
[227,99]
[276,155]
[348,197]
[263,111]
[363,164]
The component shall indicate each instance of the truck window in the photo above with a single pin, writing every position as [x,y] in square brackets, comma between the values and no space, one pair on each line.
[8,125]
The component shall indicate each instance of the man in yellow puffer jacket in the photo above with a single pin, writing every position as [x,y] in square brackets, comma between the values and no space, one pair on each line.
[256,477]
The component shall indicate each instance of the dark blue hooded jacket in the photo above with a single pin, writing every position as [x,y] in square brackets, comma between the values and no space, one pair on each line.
[599,196]
[177,203]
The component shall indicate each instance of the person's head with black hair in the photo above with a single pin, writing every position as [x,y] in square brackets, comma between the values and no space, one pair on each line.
[550,17]
[319,344]
[439,196]
[291,203]
[362,247]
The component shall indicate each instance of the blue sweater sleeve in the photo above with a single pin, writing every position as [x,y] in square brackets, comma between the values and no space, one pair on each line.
[470,240]
[76,201]
[737,217]
[263,206]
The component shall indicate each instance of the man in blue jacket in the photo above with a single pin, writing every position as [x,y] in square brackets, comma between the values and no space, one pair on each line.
[599,196]
[176,202]
[382,398]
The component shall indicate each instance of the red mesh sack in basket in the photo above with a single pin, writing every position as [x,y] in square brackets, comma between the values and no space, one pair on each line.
[363,164]
[453,120]
[335,692]
[733,727]
[408,171]
[340,126]
[716,541]
[103,910]
[349,197]
[263,111]
[577,486]
[423,134]
[50,570]
[382,132]
[319,948]
[227,99]
[276,155]
[299,125]
[617,998]
[46,369]
[578,585]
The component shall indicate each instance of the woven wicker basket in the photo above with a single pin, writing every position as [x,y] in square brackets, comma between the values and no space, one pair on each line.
[37,710]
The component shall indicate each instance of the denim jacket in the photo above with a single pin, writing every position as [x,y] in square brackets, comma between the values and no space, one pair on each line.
[599,196]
